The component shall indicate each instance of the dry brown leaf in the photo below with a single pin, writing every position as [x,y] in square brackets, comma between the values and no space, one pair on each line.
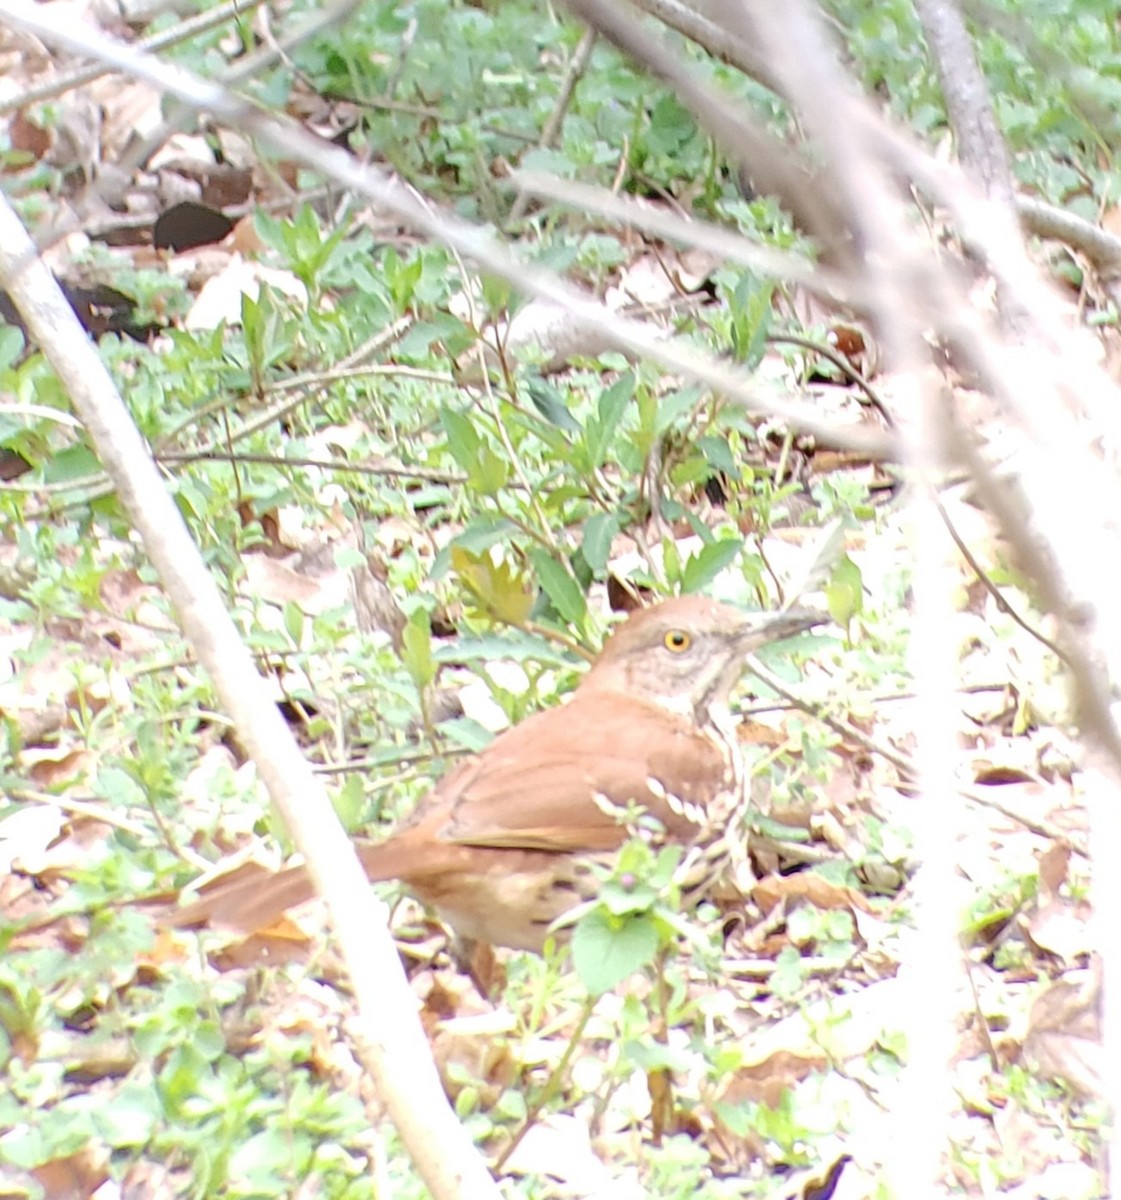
[281,943]
[76,1177]
[275,581]
[49,771]
[1064,1033]
[806,886]
[767,1082]
[1061,929]
[1054,864]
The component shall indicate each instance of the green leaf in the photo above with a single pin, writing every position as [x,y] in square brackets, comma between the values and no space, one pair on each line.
[817,560]
[479,535]
[599,532]
[463,441]
[602,427]
[347,558]
[550,404]
[789,975]
[703,567]
[718,454]
[621,897]
[486,471]
[552,162]
[844,594]
[490,472]
[416,649]
[349,802]
[606,951]
[264,1157]
[294,622]
[497,587]
[75,462]
[11,345]
[496,295]
[751,308]
[671,126]
[559,585]
[515,646]
[128,1118]
[439,329]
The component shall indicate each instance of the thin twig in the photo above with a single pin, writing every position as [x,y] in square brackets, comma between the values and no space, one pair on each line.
[842,364]
[572,76]
[992,589]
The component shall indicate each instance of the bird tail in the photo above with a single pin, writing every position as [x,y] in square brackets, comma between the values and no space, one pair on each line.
[245,904]
[250,899]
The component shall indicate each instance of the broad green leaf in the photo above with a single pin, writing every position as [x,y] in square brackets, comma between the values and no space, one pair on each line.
[463,441]
[75,462]
[11,345]
[621,898]
[606,951]
[844,594]
[128,1117]
[550,404]
[703,567]
[483,533]
[816,561]
[559,585]
[718,454]
[486,471]
[489,472]
[671,558]
[514,646]
[349,801]
[347,558]
[599,532]
[416,649]
[751,308]
[603,426]
[496,295]
[497,588]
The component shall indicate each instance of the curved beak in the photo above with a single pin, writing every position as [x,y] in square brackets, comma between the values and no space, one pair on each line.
[760,629]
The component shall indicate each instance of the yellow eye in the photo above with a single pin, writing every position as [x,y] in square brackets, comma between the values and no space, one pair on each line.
[677,640]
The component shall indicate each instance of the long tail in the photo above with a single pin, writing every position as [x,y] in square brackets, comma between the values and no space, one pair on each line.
[246,905]
[250,904]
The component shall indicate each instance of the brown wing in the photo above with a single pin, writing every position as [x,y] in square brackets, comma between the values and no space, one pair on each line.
[536,785]
[532,790]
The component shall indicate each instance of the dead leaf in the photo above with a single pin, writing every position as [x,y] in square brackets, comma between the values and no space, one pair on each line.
[1062,929]
[766,1082]
[219,302]
[806,886]
[51,771]
[75,1177]
[1064,1033]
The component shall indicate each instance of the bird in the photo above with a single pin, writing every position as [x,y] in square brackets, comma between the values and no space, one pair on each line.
[510,840]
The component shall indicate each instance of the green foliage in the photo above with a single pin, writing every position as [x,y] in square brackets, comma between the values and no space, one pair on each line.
[633,918]
[1054,76]
[499,494]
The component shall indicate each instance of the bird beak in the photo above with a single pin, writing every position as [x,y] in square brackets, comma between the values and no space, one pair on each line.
[760,629]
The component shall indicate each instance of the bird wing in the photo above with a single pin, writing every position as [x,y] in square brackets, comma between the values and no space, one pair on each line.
[552,781]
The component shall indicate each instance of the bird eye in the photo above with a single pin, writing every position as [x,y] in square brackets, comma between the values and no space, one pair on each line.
[677,640]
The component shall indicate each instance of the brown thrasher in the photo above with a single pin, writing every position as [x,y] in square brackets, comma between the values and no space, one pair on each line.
[507,840]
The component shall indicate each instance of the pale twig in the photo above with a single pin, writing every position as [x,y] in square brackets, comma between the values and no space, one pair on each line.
[65,81]
[288,141]
[388,1034]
